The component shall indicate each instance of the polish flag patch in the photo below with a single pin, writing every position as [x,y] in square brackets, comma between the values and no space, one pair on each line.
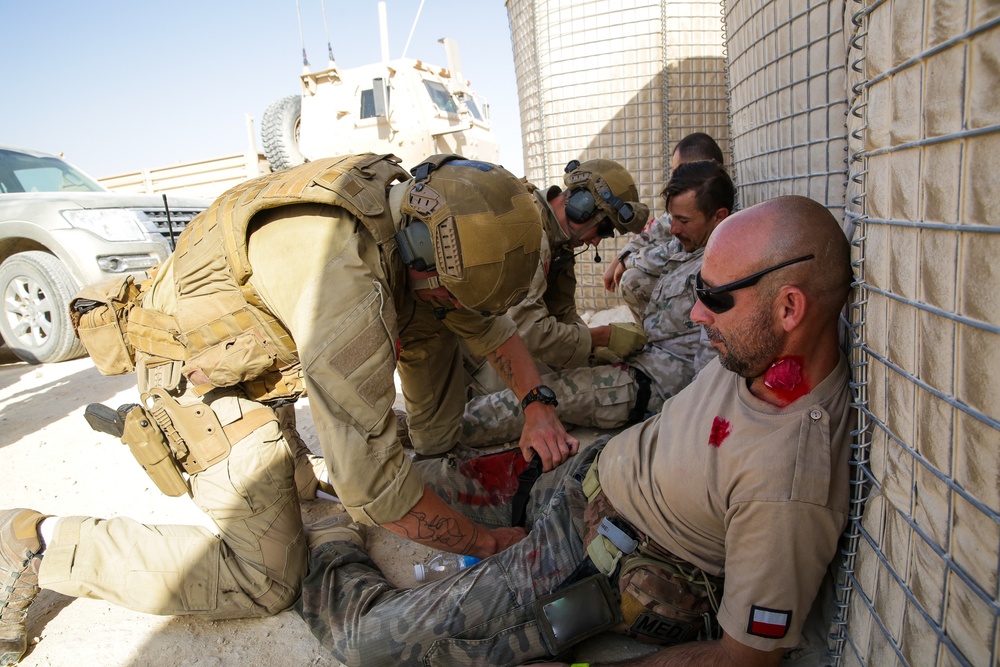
[770,623]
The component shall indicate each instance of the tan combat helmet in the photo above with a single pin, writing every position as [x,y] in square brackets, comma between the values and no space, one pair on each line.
[604,186]
[483,225]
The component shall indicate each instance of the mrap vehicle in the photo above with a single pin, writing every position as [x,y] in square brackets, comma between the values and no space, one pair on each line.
[404,106]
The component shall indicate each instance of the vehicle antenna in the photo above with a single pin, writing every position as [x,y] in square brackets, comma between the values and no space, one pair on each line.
[326,26]
[170,224]
[302,39]
[412,28]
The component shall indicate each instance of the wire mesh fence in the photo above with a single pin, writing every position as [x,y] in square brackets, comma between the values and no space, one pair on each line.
[885,111]
[617,80]
[923,588]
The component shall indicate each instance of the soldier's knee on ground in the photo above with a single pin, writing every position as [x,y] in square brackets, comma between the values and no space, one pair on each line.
[636,288]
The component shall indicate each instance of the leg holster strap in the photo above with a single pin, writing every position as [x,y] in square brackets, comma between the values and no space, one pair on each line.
[250,422]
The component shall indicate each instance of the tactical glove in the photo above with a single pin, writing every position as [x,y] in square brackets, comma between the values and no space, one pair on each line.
[626,338]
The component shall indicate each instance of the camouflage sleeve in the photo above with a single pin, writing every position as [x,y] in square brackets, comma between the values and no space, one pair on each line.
[676,349]
[653,255]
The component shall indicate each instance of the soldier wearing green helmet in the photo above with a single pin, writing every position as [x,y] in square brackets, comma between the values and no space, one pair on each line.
[600,198]
[322,278]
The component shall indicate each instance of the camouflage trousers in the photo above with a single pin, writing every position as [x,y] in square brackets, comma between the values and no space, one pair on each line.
[595,396]
[479,616]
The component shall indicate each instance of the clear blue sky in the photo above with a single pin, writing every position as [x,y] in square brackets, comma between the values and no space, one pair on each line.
[122,85]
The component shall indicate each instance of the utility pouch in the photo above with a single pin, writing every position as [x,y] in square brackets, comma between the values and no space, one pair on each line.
[99,315]
[667,601]
[664,599]
[150,449]
[576,612]
[193,431]
[230,362]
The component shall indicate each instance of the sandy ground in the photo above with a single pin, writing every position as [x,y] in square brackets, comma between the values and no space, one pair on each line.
[52,461]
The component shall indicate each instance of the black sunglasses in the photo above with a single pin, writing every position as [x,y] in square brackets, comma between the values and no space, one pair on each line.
[719,299]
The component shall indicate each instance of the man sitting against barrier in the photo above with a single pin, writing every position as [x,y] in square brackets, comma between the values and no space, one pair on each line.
[742,476]
[328,276]
[635,271]
[622,390]
[600,198]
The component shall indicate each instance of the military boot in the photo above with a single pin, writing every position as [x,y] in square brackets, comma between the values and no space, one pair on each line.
[19,561]
[334,528]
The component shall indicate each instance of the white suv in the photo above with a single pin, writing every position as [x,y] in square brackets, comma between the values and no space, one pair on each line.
[61,230]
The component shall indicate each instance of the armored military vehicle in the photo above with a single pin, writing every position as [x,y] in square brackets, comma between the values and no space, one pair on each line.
[403,106]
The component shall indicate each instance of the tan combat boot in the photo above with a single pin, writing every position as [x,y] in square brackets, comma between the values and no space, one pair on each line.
[19,561]
[334,528]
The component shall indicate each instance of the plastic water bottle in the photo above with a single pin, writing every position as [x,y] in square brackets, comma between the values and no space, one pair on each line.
[442,565]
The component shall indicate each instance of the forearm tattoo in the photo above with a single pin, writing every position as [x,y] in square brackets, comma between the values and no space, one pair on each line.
[504,367]
[441,530]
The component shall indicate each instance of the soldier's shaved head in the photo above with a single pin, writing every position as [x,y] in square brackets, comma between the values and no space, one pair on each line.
[782,229]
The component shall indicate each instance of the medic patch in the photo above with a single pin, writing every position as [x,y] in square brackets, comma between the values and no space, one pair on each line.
[661,629]
[770,623]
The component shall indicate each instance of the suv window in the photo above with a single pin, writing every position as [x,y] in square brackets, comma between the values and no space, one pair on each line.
[26,173]
[441,97]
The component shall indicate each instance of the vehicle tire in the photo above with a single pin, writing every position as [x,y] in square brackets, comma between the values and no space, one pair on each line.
[36,289]
[280,133]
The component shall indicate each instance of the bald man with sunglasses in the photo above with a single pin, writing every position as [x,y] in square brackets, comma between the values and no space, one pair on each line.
[715,520]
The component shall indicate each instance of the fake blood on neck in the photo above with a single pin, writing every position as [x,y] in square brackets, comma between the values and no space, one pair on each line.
[785,379]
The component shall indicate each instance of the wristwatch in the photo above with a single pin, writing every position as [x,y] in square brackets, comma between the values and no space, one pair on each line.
[542,394]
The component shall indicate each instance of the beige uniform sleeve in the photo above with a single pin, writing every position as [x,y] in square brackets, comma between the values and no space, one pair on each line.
[430,370]
[776,555]
[548,322]
[483,335]
[340,313]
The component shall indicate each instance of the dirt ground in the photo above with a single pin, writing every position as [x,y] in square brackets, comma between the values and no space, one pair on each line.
[52,461]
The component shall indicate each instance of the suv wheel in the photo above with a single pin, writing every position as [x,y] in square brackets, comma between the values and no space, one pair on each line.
[34,319]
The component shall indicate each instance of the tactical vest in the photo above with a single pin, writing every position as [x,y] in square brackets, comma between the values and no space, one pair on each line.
[229,336]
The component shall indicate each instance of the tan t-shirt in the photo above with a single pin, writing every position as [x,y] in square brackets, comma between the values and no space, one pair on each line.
[743,489]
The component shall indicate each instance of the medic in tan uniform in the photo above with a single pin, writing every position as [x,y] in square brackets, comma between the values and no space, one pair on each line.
[600,198]
[301,280]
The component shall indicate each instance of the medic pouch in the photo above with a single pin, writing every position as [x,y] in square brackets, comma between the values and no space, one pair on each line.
[663,599]
[99,315]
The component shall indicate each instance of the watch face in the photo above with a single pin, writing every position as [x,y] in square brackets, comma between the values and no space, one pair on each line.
[546,394]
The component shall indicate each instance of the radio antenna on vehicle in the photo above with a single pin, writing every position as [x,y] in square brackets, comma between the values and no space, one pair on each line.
[170,224]
[302,39]
[329,48]
[413,28]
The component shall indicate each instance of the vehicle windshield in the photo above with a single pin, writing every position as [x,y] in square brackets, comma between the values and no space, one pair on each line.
[470,104]
[441,97]
[20,172]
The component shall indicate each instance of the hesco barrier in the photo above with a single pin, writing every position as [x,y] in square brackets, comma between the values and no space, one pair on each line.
[886,111]
[618,80]
[925,149]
